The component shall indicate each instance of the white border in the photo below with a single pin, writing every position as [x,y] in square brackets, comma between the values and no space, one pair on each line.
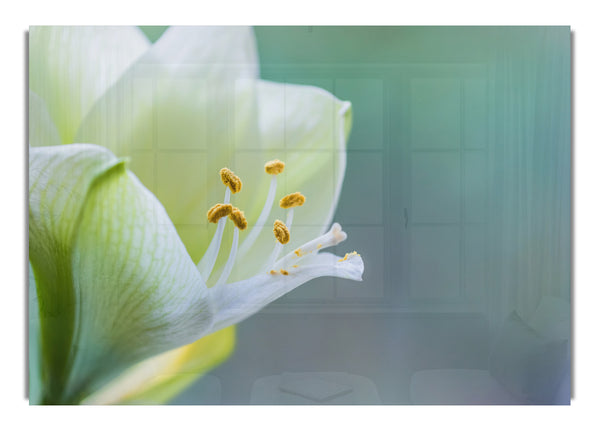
[20,15]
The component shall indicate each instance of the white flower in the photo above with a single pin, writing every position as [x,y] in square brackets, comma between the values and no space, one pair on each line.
[116,282]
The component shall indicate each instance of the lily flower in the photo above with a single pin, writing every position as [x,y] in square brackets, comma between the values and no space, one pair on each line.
[137,289]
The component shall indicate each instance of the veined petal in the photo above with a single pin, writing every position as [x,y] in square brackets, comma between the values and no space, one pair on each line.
[236,301]
[114,282]
[71,67]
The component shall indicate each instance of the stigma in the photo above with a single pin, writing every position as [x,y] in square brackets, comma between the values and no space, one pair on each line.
[348,255]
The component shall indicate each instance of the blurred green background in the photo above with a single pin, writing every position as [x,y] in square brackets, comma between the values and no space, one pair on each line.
[457,194]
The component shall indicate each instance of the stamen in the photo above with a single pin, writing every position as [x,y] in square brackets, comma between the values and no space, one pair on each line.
[238,218]
[292,200]
[231,259]
[284,272]
[274,167]
[279,246]
[207,263]
[262,218]
[231,180]
[218,211]
[281,232]
[329,239]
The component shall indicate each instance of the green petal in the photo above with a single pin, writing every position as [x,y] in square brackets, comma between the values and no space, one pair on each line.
[114,282]
[160,378]
[71,67]
[35,380]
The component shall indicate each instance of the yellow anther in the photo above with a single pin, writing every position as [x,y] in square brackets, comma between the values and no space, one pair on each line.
[348,255]
[284,272]
[238,218]
[231,180]
[292,200]
[218,211]
[273,272]
[274,167]
[281,232]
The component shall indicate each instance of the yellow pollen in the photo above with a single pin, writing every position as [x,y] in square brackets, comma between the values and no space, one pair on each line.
[292,200]
[238,218]
[231,180]
[218,211]
[295,266]
[320,245]
[273,272]
[348,255]
[298,252]
[284,272]
[274,167]
[281,232]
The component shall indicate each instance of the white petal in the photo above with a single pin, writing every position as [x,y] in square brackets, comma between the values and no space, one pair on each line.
[42,130]
[229,51]
[237,301]
[178,112]
[71,67]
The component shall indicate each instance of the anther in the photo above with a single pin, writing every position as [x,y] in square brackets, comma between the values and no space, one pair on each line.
[292,200]
[284,272]
[231,180]
[218,211]
[274,167]
[281,232]
[238,218]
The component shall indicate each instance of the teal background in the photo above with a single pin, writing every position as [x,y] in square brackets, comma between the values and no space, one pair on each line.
[457,195]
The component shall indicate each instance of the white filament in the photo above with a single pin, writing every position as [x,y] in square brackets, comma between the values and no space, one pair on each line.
[279,246]
[230,260]
[260,222]
[207,263]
